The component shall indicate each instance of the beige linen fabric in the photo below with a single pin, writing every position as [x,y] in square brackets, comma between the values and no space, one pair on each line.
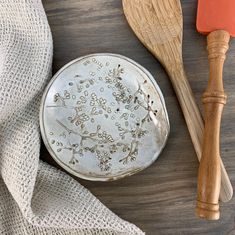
[35,198]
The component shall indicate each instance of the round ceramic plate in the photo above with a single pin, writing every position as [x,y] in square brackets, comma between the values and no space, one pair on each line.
[103,117]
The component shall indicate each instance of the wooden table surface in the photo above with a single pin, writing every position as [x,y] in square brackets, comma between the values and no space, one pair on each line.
[160,199]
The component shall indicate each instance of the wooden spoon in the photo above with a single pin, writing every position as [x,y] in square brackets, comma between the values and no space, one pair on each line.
[159,26]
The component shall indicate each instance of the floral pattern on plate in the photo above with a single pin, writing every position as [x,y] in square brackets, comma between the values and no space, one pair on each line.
[103,117]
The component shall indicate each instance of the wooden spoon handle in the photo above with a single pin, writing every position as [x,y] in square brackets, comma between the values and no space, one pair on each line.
[189,107]
[195,122]
[214,99]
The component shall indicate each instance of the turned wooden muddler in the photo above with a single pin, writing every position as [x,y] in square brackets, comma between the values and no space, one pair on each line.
[214,99]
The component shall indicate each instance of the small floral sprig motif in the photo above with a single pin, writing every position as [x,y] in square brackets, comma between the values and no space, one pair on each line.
[100,137]
[99,105]
[147,105]
[123,93]
[74,150]
[137,132]
[70,147]
[79,119]
[132,154]
[114,75]
[62,99]
[103,156]
[104,159]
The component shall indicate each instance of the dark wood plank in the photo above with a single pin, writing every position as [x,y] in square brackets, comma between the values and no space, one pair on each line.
[161,199]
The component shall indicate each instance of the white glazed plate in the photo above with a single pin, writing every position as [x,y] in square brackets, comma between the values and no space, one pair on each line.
[103,117]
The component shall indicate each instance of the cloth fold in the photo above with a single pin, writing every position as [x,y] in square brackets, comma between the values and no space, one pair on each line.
[36,198]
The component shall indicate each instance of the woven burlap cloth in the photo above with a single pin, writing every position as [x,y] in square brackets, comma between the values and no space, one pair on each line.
[36,198]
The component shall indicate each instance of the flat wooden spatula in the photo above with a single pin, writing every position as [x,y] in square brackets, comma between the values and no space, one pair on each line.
[217,19]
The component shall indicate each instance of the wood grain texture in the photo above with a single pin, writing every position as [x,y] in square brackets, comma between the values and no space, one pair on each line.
[161,199]
[159,26]
[214,99]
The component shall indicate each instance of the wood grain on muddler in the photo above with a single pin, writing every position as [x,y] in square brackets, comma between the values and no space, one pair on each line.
[214,99]
[216,18]
[159,26]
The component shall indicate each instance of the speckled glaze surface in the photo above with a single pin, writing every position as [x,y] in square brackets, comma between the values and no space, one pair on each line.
[103,117]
